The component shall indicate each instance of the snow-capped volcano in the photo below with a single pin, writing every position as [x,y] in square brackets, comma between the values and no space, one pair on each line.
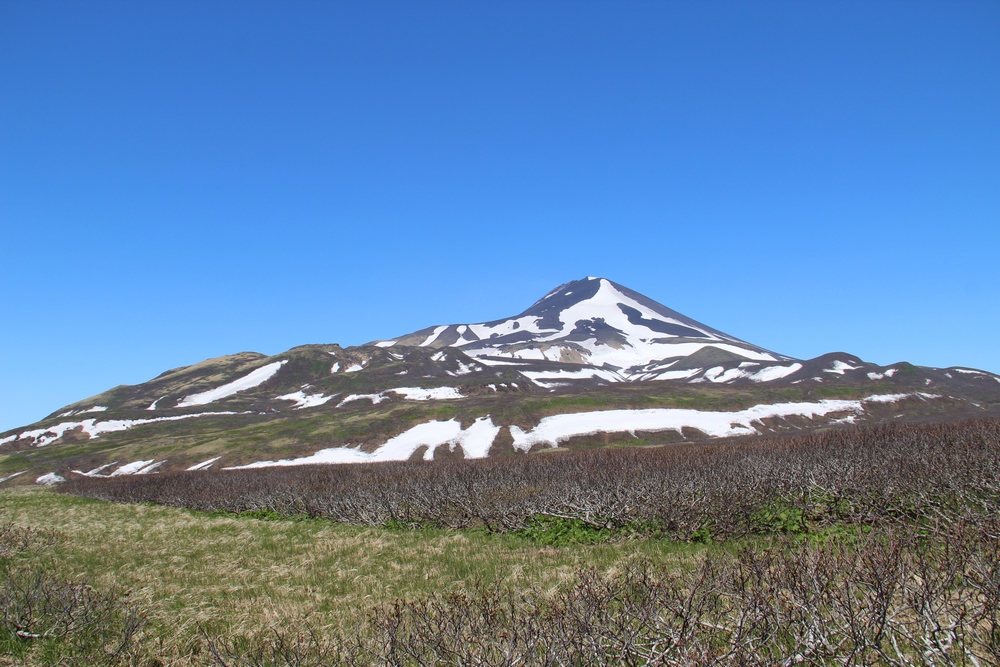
[642,366]
[592,322]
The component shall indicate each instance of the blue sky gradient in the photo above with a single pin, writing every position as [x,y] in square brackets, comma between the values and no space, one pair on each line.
[182,180]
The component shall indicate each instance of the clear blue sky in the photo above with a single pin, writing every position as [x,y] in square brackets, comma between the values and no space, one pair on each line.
[181,180]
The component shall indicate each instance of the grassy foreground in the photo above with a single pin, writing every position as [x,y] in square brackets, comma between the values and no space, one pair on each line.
[193,572]
[874,546]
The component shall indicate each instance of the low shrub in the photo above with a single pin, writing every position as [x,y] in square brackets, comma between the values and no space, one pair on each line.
[878,475]
[897,598]
[47,620]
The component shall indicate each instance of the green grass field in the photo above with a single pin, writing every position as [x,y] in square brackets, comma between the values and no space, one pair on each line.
[193,572]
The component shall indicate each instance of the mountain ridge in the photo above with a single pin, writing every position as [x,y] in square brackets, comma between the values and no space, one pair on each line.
[588,351]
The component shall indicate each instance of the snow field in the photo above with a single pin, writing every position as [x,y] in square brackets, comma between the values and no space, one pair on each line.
[420,394]
[638,352]
[475,442]
[528,323]
[553,430]
[303,400]
[70,413]
[462,370]
[772,373]
[408,393]
[556,377]
[374,398]
[638,349]
[675,375]
[96,471]
[253,379]
[981,374]
[50,479]
[839,367]
[434,334]
[94,428]
[134,468]
[718,375]
[204,465]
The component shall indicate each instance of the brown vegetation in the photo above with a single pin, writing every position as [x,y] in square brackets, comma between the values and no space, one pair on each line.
[880,475]
[899,599]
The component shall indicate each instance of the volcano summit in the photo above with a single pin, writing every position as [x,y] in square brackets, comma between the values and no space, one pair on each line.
[592,322]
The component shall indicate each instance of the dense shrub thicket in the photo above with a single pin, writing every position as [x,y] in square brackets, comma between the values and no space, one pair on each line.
[899,598]
[885,475]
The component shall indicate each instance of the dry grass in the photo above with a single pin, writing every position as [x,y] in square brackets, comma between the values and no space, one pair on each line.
[238,576]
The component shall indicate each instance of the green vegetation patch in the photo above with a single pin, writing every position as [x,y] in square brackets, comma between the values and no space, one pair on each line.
[562,531]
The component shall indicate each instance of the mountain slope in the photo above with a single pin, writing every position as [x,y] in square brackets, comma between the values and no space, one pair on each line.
[591,363]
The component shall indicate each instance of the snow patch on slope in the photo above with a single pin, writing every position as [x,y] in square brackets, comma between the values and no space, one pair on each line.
[434,334]
[676,375]
[878,376]
[838,367]
[253,379]
[204,465]
[420,394]
[553,430]
[9,477]
[557,376]
[303,400]
[768,374]
[43,436]
[134,468]
[51,479]
[969,371]
[475,442]
[772,373]
[374,398]
[96,472]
